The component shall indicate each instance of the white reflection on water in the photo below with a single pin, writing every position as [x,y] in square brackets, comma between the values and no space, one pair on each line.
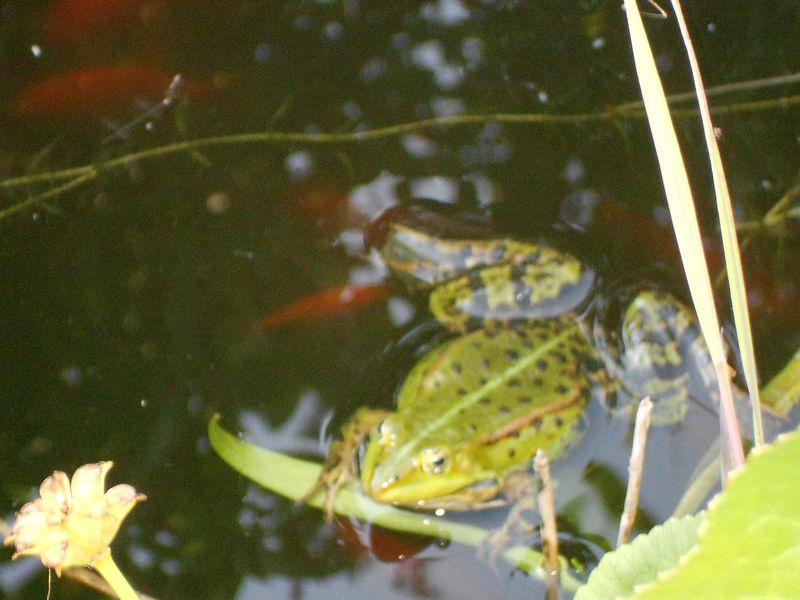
[297,435]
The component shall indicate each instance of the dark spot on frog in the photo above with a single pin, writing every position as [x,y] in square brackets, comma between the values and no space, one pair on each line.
[461,391]
[541,365]
[559,421]
[512,355]
[483,381]
[538,381]
[486,363]
[504,410]
[511,452]
[475,280]
[561,388]
[514,382]
[537,424]
[485,400]
[560,357]
[473,427]
[457,368]
[524,399]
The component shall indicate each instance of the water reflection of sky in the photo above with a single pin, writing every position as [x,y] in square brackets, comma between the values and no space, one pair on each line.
[130,304]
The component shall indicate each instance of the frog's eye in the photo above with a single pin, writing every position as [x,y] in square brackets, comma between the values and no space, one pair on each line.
[435,460]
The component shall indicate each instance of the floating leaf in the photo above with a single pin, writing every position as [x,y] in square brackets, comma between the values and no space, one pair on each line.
[748,546]
[642,560]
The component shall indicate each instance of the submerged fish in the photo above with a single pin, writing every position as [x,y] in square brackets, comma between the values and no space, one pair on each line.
[100,90]
[332,302]
[68,20]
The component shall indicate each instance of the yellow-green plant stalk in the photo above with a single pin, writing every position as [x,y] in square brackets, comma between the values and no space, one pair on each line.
[687,231]
[73,523]
[730,242]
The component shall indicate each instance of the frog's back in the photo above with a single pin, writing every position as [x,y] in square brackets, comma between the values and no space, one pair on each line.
[499,394]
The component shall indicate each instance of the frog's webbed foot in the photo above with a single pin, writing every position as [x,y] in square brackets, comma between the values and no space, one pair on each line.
[341,465]
[520,488]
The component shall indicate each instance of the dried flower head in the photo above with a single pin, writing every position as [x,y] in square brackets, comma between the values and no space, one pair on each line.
[72,523]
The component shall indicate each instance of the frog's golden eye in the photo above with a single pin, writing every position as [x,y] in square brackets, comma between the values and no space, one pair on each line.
[435,460]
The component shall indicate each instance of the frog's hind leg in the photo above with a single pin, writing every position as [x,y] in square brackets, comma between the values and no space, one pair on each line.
[520,489]
[341,465]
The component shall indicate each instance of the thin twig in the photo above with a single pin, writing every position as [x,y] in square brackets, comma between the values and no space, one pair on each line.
[635,467]
[541,465]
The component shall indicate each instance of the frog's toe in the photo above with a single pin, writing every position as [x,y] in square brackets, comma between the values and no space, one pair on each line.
[492,547]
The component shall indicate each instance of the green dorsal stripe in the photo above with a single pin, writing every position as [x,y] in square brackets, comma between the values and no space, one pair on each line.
[405,451]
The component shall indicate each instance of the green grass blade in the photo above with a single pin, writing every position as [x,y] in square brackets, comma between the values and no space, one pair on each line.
[730,242]
[684,220]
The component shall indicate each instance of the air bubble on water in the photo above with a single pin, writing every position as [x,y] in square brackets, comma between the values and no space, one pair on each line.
[333,30]
[262,53]
[299,164]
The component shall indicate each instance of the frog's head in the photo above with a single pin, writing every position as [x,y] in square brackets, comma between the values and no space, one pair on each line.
[419,245]
[409,471]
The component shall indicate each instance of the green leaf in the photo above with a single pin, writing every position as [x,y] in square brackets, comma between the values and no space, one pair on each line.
[642,560]
[782,393]
[751,545]
[292,478]
[748,545]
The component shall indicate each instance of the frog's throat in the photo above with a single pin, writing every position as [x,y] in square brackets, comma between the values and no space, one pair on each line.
[402,459]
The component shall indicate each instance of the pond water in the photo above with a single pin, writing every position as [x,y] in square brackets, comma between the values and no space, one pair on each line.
[134,305]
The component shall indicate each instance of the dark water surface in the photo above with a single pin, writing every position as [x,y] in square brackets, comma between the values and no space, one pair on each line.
[129,306]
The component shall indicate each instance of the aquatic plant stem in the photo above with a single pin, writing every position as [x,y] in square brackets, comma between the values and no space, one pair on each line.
[51,193]
[106,566]
[630,110]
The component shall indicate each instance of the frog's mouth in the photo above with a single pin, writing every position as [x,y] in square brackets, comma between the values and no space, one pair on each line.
[417,489]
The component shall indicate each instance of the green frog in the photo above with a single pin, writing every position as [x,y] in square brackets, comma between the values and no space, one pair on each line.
[516,377]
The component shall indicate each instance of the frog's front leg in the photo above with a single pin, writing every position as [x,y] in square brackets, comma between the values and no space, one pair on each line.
[341,464]
[520,489]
